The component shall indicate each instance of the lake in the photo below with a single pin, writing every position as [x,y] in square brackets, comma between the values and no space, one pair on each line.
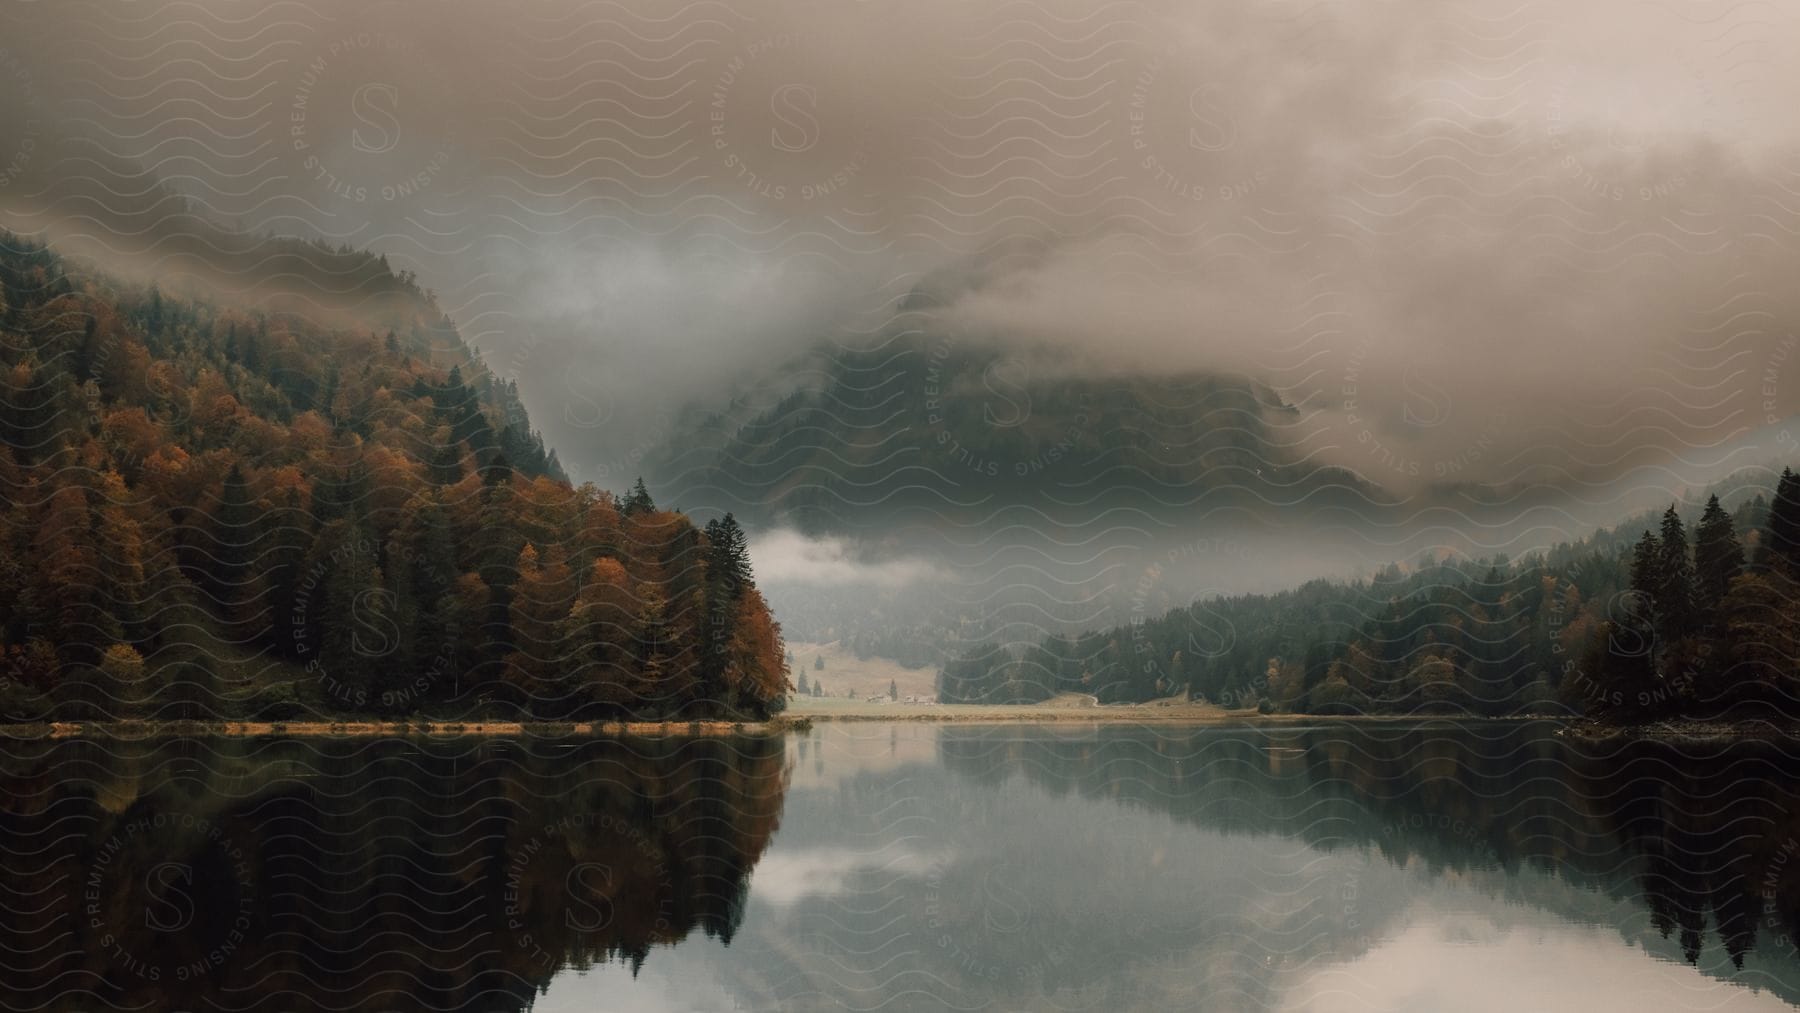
[864,866]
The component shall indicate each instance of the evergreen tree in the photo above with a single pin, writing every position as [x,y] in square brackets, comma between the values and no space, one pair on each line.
[446,461]
[1783,549]
[1675,612]
[342,491]
[1717,559]
[974,676]
[727,577]
[1637,621]
[893,690]
[69,600]
[637,501]
[190,480]
[728,555]
[393,644]
[289,537]
[233,581]
[354,618]
[497,471]
[802,687]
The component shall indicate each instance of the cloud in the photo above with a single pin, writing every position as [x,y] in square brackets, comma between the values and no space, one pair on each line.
[1470,964]
[1471,240]
[783,879]
[786,557]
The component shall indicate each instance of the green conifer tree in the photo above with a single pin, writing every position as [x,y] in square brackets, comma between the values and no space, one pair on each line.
[1717,559]
[1675,611]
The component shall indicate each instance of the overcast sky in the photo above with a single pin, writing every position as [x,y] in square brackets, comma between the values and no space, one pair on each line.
[1489,241]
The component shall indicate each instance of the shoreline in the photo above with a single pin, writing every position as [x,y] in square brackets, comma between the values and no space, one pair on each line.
[780,724]
[1022,715]
[134,730]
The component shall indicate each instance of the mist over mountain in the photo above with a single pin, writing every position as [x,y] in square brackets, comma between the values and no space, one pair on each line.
[933,425]
[925,476]
[1476,245]
[1055,505]
[1324,287]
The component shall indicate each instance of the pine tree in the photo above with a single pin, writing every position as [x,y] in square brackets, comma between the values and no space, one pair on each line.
[420,570]
[728,554]
[497,471]
[802,687]
[1646,584]
[727,577]
[397,658]
[70,601]
[893,690]
[343,489]
[1619,663]
[1717,559]
[446,459]
[638,501]
[236,548]
[1783,550]
[973,676]
[1675,610]
[353,617]
[289,537]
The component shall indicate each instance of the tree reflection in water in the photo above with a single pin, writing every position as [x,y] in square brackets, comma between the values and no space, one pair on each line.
[340,874]
[1705,834]
[467,873]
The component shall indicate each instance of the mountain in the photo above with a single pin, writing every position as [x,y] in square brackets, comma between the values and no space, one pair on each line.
[300,493]
[923,424]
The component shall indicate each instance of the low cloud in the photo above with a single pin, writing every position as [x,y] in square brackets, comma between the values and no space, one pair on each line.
[1472,241]
[788,558]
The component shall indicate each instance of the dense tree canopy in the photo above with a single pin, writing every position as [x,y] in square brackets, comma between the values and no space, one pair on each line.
[219,508]
[1671,626]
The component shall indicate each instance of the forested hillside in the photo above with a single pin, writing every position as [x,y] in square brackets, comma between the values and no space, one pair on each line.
[309,498]
[921,423]
[1642,622]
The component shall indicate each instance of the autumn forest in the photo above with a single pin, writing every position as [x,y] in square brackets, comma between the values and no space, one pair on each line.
[313,501]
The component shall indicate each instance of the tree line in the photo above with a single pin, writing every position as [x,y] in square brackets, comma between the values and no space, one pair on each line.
[219,509]
[1646,621]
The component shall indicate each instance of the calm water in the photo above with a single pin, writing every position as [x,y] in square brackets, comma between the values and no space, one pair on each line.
[1483,867]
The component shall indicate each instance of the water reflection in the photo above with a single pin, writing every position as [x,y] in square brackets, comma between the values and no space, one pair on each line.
[1706,834]
[916,867]
[337,875]
[1686,851]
